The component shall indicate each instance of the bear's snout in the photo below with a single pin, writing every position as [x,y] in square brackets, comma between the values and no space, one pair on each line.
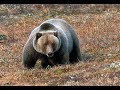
[50,54]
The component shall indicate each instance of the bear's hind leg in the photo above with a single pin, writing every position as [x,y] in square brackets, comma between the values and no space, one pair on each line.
[76,51]
[73,57]
[64,58]
[76,45]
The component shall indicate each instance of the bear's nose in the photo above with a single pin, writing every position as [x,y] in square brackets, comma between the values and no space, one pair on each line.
[50,54]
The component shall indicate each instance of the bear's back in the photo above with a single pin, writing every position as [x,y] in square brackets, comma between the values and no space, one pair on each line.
[59,23]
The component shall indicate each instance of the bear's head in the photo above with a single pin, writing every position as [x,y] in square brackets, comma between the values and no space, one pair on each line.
[47,43]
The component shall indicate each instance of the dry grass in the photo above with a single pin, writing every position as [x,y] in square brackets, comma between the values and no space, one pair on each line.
[100,46]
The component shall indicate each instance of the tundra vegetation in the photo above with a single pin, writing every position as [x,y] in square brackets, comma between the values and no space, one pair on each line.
[97,26]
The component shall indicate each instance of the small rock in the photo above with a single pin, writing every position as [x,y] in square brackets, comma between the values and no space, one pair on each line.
[113,65]
[3,37]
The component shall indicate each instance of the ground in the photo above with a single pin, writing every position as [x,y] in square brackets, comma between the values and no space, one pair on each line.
[99,35]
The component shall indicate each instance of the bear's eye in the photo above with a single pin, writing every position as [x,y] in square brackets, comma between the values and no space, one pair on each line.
[45,44]
[53,44]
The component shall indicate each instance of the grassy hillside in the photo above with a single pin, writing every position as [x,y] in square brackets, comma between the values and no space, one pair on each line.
[99,35]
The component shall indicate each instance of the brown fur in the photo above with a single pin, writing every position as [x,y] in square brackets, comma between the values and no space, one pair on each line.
[54,42]
[47,43]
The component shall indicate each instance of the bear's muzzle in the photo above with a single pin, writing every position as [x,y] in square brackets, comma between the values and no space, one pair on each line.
[50,54]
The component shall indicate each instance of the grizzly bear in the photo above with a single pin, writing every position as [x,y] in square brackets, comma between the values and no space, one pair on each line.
[53,42]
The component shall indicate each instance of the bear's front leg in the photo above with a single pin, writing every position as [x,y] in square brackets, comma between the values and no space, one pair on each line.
[44,61]
[29,55]
[29,58]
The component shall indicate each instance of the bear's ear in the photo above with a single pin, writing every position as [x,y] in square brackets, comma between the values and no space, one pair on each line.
[38,35]
[56,34]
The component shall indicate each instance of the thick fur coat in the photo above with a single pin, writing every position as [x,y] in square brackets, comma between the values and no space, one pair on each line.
[54,42]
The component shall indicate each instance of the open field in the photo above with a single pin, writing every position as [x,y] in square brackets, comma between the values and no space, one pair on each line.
[100,47]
